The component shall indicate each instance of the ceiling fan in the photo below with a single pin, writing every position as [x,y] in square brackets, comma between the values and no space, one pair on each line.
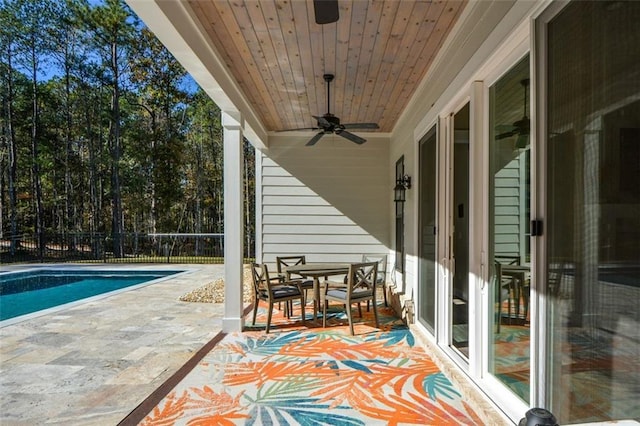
[521,127]
[329,123]
[326,11]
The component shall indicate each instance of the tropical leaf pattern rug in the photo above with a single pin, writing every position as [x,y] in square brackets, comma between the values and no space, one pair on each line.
[307,375]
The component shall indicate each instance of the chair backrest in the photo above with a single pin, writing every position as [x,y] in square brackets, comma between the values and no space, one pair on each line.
[361,277]
[283,262]
[498,272]
[507,259]
[258,277]
[382,265]
[262,283]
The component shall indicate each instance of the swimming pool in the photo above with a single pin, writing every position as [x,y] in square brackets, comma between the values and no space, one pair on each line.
[26,292]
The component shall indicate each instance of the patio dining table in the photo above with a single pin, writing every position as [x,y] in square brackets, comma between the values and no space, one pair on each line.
[315,271]
[519,274]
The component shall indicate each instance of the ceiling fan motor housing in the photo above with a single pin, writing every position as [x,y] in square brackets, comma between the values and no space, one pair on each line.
[331,119]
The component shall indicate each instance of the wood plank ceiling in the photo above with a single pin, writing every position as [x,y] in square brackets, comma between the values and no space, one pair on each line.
[379,51]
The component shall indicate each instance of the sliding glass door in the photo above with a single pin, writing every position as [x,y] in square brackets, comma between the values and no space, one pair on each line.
[459,290]
[428,235]
[508,248]
[592,231]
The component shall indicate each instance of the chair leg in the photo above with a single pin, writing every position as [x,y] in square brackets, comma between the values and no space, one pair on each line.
[269,316]
[350,319]
[255,310]
[516,299]
[375,312]
[285,313]
[302,302]
[360,309]
[384,293]
[525,297]
[509,296]
[324,313]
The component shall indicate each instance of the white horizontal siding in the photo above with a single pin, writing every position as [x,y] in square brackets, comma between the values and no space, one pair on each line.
[299,210]
[330,239]
[270,257]
[509,219]
[316,229]
[288,191]
[329,202]
[507,209]
[312,249]
[284,200]
[306,220]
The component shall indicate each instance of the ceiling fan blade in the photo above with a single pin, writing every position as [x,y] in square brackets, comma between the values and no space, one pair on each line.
[326,11]
[300,129]
[361,126]
[315,139]
[506,134]
[351,137]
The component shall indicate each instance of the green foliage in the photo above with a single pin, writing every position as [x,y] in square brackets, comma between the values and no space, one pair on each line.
[88,95]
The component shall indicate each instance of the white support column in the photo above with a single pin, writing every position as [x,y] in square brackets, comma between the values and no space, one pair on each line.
[233,224]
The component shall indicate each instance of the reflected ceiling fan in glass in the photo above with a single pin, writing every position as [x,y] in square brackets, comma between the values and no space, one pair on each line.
[522,127]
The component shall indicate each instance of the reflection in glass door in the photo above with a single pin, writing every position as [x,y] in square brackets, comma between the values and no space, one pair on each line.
[428,237]
[459,236]
[592,143]
[508,245]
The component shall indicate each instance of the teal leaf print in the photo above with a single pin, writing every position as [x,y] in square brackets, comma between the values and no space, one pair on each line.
[271,345]
[395,336]
[306,411]
[438,383]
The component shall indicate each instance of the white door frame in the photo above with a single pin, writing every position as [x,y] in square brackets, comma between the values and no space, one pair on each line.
[445,237]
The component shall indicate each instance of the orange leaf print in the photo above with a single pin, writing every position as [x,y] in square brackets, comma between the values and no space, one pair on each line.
[233,348]
[258,373]
[338,349]
[460,416]
[419,409]
[352,385]
[474,417]
[168,413]
[210,399]
[216,419]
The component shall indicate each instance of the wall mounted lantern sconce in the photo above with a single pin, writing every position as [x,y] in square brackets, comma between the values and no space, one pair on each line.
[402,184]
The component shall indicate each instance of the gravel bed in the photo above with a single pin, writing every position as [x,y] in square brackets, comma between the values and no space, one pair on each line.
[213,292]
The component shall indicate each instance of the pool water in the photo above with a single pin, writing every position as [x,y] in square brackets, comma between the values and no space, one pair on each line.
[31,291]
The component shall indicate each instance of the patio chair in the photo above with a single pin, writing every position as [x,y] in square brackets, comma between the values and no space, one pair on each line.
[282,262]
[361,287]
[507,286]
[382,272]
[273,291]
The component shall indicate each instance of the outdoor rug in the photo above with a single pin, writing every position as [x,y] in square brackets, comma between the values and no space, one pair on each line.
[309,375]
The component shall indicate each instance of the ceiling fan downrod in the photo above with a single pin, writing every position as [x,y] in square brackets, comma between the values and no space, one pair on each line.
[328,78]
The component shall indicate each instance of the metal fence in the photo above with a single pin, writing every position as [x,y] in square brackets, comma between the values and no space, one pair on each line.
[123,248]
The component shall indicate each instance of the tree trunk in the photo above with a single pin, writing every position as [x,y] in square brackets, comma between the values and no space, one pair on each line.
[69,220]
[13,160]
[116,152]
[35,167]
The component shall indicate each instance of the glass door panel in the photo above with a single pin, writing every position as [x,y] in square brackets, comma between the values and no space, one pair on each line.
[509,251]
[459,293]
[428,237]
[592,139]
